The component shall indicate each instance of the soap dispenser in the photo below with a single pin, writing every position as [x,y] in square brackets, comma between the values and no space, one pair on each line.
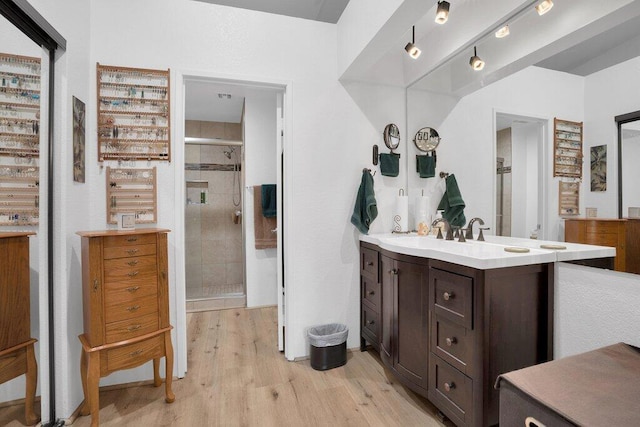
[439,225]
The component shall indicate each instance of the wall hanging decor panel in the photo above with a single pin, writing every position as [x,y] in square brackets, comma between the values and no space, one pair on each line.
[569,198]
[133,113]
[567,139]
[134,191]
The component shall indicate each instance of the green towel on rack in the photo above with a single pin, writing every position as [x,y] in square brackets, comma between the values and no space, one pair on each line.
[452,203]
[426,166]
[366,208]
[389,164]
[269,205]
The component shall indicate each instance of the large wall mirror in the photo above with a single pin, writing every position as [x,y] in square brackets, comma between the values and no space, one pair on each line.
[628,171]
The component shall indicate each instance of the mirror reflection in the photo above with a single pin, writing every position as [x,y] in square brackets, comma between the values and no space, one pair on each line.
[20,194]
[629,171]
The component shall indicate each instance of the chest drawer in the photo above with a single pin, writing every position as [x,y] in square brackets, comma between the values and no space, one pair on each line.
[369,263]
[370,324]
[13,365]
[122,306]
[597,227]
[131,328]
[132,355]
[370,292]
[138,269]
[452,297]
[128,240]
[452,390]
[129,251]
[452,342]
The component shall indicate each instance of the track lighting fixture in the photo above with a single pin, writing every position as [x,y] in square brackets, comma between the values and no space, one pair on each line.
[442,14]
[544,6]
[475,62]
[411,48]
[503,31]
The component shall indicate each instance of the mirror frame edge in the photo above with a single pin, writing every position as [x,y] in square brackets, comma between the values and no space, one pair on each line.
[620,120]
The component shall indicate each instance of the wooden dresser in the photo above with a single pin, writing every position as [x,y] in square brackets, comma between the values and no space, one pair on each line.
[125,298]
[622,234]
[17,354]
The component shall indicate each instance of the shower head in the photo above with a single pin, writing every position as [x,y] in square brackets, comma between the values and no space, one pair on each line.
[229,152]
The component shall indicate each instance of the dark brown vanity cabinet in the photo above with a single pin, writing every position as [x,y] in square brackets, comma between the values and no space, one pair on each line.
[447,331]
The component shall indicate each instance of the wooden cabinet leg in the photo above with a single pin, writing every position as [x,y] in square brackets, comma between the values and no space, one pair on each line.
[93,382]
[168,347]
[157,381]
[84,409]
[32,380]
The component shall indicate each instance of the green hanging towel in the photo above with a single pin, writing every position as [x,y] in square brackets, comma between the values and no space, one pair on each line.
[426,166]
[390,164]
[366,208]
[452,203]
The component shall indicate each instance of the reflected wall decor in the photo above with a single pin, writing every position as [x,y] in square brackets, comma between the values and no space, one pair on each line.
[599,168]
[78,140]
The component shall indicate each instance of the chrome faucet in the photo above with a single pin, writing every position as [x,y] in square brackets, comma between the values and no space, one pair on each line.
[470,227]
[447,228]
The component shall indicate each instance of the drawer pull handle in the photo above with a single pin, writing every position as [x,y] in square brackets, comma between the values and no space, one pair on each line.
[135,353]
[449,386]
[133,262]
[372,293]
[532,422]
[134,328]
[133,288]
[133,308]
[132,239]
[133,274]
[95,284]
[371,322]
[132,251]
[370,263]
[451,341]
[394,271]
[448,295]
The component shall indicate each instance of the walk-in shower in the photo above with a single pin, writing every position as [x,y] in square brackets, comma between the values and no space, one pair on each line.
[214,258]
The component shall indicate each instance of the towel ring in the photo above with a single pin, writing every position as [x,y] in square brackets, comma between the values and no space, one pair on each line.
[426,139]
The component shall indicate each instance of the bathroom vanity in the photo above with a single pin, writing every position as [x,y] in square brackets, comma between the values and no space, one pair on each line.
[448,317]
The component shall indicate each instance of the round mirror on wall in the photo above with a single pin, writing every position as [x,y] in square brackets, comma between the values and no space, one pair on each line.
[426,139]
[391,136]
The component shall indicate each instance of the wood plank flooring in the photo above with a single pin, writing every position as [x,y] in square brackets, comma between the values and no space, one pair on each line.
[237,377]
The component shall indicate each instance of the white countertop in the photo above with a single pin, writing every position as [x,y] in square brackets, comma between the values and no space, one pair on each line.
[488,254]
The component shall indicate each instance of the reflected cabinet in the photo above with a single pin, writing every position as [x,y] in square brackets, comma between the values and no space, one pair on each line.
[17,356]
[125,298]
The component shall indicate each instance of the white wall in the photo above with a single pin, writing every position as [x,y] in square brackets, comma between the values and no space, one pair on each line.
[594,308]
[468,135]
[260,139]
[608,93]
[524,172]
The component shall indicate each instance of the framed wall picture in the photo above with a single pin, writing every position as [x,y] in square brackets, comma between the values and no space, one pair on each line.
[78,140]
[599,168]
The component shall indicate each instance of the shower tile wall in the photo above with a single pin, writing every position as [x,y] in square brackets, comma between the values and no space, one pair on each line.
[214,259]
[504,150]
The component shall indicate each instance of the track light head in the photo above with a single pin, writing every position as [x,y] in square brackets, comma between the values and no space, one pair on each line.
[502,32]
[476,62]
[411,47]
[442,14]
[544,6]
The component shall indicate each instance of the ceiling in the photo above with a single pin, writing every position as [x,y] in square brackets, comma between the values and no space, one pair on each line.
[317,10]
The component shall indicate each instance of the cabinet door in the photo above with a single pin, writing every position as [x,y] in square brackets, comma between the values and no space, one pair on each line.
[388,273]
[412,331]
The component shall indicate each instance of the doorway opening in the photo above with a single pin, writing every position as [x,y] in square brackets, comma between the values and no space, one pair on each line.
[519,192]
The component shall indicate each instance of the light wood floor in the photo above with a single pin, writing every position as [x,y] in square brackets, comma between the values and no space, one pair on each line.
[237,377]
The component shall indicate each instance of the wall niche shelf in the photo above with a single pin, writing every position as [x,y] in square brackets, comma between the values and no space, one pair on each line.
[567,139]
[132,190]
[134,119]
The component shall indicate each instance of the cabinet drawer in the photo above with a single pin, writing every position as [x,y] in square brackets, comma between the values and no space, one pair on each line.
[370,324]
[129,251]
[604,239]
[369,263]
[128,240]
[131,328]
[123,306]
[452,297]
[132,290]
[13,364]
[596,227]
[451,390]
[370,292]
[132,355]
[140,269]
[452,342]
[518,409]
